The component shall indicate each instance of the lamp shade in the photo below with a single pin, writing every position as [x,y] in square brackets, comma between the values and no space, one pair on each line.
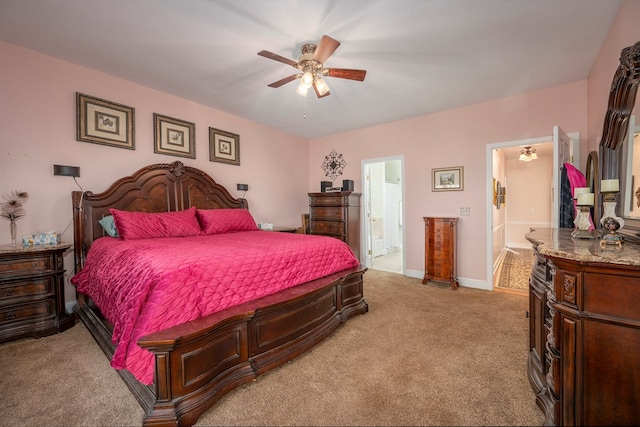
[307,79]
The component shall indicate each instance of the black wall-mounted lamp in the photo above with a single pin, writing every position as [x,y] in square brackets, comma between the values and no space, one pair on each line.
[62,170]
[243,187]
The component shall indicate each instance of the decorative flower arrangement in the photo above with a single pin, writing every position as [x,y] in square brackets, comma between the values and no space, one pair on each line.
[13,210]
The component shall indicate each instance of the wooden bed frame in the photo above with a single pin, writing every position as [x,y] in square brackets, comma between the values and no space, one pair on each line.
[197,362]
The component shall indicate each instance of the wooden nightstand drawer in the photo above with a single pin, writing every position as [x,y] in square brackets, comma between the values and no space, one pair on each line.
[25,264]
[31,288]
[36,310]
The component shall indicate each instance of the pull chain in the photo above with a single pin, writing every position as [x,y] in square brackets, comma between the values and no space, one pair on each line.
[304,114]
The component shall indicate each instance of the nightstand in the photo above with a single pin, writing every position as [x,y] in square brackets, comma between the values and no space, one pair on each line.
[286,229]
[32,291]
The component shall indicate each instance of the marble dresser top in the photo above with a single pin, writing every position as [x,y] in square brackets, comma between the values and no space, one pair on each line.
[15,249]
[558,242]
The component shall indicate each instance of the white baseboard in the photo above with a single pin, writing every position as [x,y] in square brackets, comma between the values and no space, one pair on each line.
[467,283]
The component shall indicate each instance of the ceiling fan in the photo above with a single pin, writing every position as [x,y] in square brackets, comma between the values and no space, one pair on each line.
[311,66]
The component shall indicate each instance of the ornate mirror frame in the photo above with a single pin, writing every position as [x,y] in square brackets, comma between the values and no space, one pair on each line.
[622,98]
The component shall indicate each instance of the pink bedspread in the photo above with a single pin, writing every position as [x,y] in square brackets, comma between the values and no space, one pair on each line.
[143,286]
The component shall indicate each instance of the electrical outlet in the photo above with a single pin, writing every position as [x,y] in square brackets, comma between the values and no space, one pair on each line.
[465,211]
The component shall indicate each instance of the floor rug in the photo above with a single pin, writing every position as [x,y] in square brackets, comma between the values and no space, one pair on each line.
[516,269]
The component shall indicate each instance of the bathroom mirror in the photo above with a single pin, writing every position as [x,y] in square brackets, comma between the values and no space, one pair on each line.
[617,147]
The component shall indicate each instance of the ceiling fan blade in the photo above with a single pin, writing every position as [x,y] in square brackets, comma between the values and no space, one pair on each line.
[277,57]
[325,49]
[284,81]
[344,73]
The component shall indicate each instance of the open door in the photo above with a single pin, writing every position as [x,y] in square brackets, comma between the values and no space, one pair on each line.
[367,215]
[562,151]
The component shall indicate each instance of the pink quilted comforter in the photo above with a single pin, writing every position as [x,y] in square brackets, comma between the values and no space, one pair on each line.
[143,286]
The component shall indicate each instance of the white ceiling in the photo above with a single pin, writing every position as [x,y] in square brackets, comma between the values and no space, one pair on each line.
[421,56]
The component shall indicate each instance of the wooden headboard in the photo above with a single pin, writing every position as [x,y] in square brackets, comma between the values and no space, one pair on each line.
[161,187]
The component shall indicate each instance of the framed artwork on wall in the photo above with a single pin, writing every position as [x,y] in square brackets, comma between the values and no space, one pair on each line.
[447,179]
[224,147]
[174,137]
[104,122]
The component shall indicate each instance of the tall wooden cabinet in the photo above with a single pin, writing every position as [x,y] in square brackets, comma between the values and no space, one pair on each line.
[336,214]
[440,256]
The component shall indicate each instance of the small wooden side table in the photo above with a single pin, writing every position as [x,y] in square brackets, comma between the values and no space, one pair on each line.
[32,291]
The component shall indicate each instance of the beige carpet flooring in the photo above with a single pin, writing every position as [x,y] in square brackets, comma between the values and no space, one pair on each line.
[423,355]
[516,269]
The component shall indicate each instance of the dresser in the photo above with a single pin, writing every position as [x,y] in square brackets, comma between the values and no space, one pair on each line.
[32,291]
[584,350]
[336,214]
[440,257]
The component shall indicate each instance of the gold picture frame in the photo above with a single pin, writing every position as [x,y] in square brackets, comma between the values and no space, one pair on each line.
[224,147]
[104,122]
[174,137]
[447,179]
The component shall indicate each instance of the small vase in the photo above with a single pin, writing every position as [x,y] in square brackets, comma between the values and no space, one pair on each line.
[14,232]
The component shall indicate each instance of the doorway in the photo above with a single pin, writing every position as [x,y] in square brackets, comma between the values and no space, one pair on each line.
[531,192]
[525,202]
[383,201]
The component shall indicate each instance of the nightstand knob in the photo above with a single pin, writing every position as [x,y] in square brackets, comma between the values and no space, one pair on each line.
[10,315]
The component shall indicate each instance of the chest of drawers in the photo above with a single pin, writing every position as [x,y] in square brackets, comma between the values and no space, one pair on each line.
[337,215]
[32,291]
[440,250]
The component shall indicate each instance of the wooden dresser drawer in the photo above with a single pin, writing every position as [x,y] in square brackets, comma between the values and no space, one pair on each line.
[31,311]
[328,199]
[332,213]
[25,265]
[31,288]
[327,227]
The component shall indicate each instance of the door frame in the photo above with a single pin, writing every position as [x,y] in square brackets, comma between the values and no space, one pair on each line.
[366,242]
[575,147]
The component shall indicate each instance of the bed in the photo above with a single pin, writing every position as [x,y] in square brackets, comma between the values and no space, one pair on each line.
[196,361]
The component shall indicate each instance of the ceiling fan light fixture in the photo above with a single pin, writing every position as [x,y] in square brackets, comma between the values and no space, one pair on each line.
[307,79]
[302,89]
[321,86]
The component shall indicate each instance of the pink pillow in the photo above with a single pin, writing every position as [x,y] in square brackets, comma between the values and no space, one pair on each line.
[145,225]
[217,221]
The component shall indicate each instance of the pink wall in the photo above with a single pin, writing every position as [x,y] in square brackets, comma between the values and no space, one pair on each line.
[625,31]
[453,138]
[37,118]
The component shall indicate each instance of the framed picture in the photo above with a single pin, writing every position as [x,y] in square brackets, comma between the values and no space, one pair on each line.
[447,179]
[174,137]
[224,147]
[104,122]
